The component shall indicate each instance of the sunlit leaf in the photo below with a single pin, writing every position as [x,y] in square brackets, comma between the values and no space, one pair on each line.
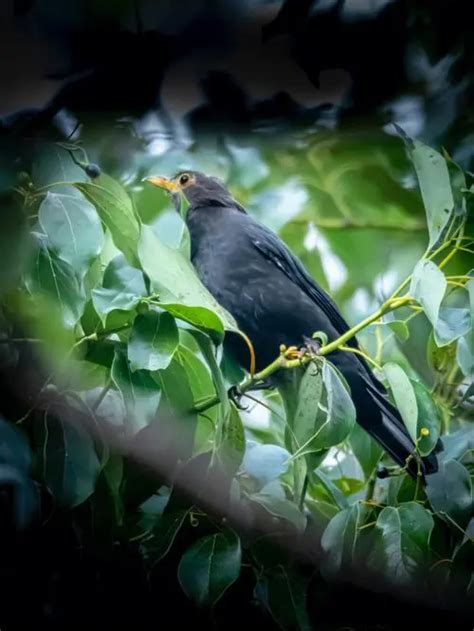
[209,567]
[435,186]
[116,211]
[180,290]
[404,396]
[265,462]
[428,286]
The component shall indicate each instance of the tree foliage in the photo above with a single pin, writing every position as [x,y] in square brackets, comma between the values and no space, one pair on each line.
[130,338]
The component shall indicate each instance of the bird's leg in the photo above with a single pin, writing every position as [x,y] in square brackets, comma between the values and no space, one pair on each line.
[235,395]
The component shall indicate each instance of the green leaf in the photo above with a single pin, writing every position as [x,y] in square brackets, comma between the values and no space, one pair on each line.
[340,539]
[70,463]
[281,508]
[153,341]
[140,392]
[309,395]
[164,535]
[122,288]
[404,396]
[53,165]
[209,567]
[180,290]
[465,348]
[428,286]
[400,329]
[116,211]
[284,593]
[435,187]
[331,490]
[232,444]
[428,418]
[72,228]
[57,279]
[450,492]
[400,547]
[453,323]
[341,412]
[366,450]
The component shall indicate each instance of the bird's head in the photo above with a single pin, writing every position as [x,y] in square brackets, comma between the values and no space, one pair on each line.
[196,190]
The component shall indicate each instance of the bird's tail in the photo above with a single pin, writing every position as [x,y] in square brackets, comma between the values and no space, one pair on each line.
[382,420]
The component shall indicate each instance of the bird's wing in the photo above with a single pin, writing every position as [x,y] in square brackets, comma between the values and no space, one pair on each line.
[268,244]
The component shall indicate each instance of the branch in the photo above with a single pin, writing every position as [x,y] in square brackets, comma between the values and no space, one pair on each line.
[354,224]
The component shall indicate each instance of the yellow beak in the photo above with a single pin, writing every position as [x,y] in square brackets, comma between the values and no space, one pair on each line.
[163,182]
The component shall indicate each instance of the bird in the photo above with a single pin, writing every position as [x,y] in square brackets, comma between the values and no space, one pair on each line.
[252,273]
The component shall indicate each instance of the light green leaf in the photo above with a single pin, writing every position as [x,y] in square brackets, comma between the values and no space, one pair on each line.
[122,288]
[180,290]
[435,187]
[404,396]
[209,567]
[57,279]
[53,165]
[428,285]
[465,348]
[453,323]
[401,542]
[400,329]
[70,463]
[116,211]
[428,418]
[72,229]
[153,341]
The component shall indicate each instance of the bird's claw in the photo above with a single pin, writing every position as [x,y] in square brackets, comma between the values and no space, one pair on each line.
[235,396]
[309,349]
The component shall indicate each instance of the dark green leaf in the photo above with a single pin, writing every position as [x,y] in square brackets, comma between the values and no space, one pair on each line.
[404,396]
[72,229]
[401,542]
[54,165]
[366,450]
[153,341]
[428,418]
[341,413]
[232,443]
[309,395]
[209,567]
[116,211]
[284,593]
[70,463]
[340,539]
[57,280]
[140,392]
[450,492]
[164,534]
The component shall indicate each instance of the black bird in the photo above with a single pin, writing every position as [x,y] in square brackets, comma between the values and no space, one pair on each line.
[252,273]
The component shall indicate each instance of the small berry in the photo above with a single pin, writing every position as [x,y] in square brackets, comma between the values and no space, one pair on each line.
[425,431]
[382,472]
[92,170]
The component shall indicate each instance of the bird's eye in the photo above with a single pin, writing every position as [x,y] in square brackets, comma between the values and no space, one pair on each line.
[184,179]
